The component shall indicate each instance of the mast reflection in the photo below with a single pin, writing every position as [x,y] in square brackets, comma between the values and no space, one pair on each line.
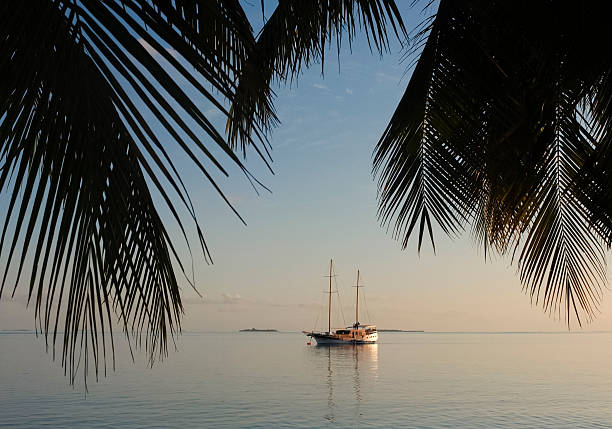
[347,362]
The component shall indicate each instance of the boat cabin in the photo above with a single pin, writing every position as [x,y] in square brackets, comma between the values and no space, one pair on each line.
[357,332]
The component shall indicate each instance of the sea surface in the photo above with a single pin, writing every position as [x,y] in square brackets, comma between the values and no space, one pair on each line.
[276,380]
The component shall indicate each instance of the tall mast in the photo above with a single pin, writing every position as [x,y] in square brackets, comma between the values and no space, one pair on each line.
[330,294]
[357,302]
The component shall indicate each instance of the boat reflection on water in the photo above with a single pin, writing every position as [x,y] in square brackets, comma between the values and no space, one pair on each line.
[351,371]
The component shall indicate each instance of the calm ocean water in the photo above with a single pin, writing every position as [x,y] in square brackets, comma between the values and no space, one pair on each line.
[274,380]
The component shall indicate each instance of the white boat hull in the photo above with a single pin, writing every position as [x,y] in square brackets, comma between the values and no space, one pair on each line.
[333,339]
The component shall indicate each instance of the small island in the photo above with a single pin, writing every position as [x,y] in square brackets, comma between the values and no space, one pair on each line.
[258,330]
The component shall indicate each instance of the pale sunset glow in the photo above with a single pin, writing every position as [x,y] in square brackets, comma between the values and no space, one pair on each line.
[305,214]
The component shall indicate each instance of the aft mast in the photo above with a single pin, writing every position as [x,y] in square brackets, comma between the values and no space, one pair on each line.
[357,302]
[331,261]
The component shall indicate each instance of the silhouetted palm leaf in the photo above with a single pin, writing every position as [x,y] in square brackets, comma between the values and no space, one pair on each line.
[76,146]
[504,125]
[81,81]
[296,35]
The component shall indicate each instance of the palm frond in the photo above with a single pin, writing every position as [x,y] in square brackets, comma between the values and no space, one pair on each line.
[77,153]
[296,35]
[492,130]
[425,160]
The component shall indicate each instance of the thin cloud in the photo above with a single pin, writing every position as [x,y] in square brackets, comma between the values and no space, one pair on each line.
[385,77]
[235,199]
[151,50]
[232,298]
[314,143]
[196,300]
[212,113]
[229,299]
[147,47]
[225,298]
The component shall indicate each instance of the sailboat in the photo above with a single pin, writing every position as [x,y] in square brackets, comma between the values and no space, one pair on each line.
[354,334]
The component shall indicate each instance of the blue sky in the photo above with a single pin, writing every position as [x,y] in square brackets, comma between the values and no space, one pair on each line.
[270,273]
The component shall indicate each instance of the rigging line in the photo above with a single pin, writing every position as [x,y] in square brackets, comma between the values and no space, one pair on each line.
[339,301]
[366,307]
[319,313]
[365,304]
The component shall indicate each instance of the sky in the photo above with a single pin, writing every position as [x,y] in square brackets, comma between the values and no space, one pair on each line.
[271,272]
